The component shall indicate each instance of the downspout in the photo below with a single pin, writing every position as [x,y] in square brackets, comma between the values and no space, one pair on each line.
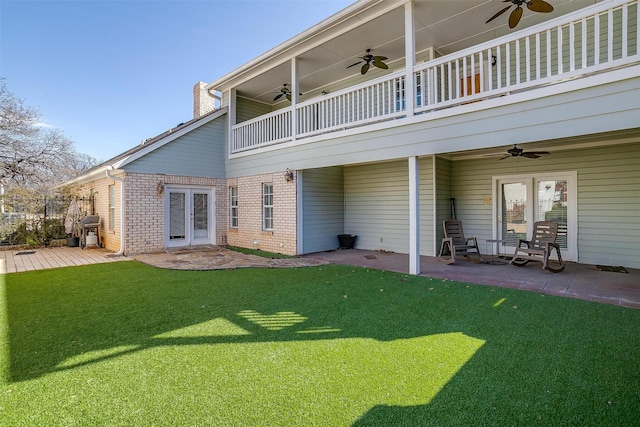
[121,181]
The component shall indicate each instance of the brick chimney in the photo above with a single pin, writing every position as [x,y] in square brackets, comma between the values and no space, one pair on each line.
[203,101]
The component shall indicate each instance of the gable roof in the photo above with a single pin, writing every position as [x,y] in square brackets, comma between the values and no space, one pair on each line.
[146,147]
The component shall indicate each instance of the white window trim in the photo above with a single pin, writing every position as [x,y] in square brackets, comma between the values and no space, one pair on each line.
[233,207]
[265,206]
[572,204]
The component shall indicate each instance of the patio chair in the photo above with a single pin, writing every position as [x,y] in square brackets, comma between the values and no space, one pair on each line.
[455,243]
[539,248]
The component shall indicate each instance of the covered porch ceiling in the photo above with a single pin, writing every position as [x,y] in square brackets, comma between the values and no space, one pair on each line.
[325,51]
[625,136]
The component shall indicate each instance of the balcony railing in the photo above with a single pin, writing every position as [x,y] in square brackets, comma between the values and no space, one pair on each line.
[595,39]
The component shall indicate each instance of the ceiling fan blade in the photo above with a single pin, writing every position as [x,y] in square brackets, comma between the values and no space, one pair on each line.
[364,69]
[539,152]
[380,64]
[288,96]
[380,58]
[498,14]
[530,155]
[353,65]
[278,96]
[539,6]
[505,157]
[515,16]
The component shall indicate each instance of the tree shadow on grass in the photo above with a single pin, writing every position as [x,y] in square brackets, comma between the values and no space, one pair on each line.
[529,349]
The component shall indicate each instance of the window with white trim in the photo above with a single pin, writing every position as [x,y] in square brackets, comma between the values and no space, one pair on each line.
[233,203]
[267,207]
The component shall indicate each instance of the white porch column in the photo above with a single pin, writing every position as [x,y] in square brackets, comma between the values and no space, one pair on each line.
[232,117]
[295,94]
[410,55]
[414,216]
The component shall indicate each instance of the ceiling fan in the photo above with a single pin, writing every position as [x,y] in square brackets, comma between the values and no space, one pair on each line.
[519,152]
[533,5]
[284,91]
[369,59]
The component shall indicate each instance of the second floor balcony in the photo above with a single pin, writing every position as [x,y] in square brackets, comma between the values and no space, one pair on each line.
[586,42]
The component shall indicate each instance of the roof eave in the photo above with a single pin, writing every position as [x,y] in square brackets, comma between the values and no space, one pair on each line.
[118,162]
[171,137]
[285,49]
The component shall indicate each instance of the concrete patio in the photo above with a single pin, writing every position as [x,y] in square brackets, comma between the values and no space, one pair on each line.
[580,281]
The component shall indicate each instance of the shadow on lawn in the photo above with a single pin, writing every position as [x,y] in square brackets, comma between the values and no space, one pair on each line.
[534,349]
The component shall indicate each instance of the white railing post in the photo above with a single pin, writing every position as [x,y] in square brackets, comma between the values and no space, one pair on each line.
[410,59]
[232,119]
[295,93]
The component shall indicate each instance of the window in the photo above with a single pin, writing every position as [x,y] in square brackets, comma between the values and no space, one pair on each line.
[112,207]
[267,207]
[233,203]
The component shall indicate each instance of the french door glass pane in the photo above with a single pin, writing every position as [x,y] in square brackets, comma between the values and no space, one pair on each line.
[200,217]
[177,216]
[514,207]
[552,206]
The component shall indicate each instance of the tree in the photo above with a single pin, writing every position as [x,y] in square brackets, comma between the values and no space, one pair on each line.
[32,156]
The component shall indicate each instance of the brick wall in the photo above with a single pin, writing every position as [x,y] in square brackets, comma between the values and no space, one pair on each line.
[145,211]
[249,234]
[110,239]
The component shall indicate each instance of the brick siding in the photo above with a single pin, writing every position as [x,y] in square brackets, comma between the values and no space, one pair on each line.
[145,211]
[249,234]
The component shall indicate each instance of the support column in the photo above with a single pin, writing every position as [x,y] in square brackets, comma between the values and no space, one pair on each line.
[410,56]
[295,94]
[414,216]
[232,117]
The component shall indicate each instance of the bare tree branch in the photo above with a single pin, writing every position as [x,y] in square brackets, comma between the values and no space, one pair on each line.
[32,156]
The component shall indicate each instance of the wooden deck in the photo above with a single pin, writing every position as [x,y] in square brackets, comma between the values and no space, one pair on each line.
[43,258]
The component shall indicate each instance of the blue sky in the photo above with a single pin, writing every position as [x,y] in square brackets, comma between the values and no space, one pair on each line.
[111,74]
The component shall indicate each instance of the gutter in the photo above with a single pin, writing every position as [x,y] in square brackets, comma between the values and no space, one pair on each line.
[121,181]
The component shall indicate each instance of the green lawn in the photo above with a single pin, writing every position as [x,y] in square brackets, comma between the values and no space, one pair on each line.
[130,345]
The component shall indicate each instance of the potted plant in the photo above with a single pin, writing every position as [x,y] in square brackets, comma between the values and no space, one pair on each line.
[71,226]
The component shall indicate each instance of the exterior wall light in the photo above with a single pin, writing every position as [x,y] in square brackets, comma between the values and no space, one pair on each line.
[288,175]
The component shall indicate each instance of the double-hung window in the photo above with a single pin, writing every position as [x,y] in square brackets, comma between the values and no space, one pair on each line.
[233,203]
[267,207]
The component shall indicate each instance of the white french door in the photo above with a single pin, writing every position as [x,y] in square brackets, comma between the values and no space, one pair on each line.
[189,217]
[521,200]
